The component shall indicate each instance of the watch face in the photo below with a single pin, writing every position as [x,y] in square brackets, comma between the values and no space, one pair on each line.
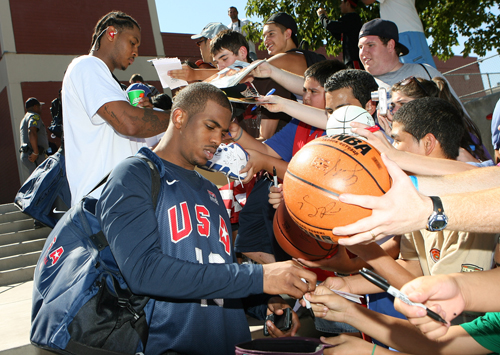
[438,224]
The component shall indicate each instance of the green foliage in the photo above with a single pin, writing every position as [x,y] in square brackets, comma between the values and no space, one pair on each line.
[443,21]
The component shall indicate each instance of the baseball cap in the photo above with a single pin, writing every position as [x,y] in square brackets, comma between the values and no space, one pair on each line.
[210,30]
[140,86]
[287,21]
[383,28]
[32,102]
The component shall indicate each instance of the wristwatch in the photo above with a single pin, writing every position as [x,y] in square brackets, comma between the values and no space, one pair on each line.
[437,220]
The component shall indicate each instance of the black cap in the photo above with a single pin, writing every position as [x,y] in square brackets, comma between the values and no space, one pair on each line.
[32,102]
[287,21]
[383,28]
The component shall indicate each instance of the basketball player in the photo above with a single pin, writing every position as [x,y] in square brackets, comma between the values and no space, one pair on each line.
[181,254]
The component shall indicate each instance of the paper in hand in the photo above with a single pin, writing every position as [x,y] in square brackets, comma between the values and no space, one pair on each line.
[162,66]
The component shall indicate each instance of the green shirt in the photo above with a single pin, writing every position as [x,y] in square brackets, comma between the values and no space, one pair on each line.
[486,331]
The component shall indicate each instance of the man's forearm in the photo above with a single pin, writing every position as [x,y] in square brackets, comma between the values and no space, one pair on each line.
[307,114]
[425,165]
[403,336]
[33,137]
[473,211]
[290,81]
[134,121]
[467,181]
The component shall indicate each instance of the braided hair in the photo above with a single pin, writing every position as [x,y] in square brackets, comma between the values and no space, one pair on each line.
[117,19]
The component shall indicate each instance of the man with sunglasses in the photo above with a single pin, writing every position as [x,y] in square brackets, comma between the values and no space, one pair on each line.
[379,51]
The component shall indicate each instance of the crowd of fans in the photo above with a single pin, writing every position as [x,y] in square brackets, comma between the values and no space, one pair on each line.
[221,264]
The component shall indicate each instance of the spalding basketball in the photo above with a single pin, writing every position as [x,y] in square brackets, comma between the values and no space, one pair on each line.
[295,242]
[325,168]
[339,121]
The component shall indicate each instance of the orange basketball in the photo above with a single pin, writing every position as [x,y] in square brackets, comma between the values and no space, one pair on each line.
[295,242]
[325,168]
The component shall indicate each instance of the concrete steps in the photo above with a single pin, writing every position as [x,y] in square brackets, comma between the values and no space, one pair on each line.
[20,245]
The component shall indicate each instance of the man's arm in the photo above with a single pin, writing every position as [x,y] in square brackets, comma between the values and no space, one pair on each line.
[290,81]
[33,137]
[402,210]
[134,121]
[449,295]
[383,264]
[291,62]
[311,115]
[409,162]
[467,181]
[394,332]
[190,74]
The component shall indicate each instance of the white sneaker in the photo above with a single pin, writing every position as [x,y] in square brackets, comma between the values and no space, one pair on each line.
[229,159]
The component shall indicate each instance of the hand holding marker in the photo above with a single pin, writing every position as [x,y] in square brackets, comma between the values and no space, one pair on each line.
[269,93]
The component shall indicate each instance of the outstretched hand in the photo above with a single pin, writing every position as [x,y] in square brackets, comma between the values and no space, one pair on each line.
[441,293]
[401,210]
[286,278]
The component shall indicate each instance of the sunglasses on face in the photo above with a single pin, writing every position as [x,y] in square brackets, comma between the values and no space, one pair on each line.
[198,43]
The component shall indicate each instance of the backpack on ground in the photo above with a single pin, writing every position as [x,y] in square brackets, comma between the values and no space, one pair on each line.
[45,195]
[81,303]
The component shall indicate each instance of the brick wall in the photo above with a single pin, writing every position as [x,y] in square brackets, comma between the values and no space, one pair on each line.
[66,27]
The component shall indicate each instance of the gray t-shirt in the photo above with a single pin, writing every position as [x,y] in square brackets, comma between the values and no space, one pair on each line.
[29,120]
[408,70]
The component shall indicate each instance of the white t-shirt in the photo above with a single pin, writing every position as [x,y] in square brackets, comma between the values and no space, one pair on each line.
[402,13]
[92,146]
[236,26]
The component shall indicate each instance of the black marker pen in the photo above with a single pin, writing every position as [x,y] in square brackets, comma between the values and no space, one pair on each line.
[384,285]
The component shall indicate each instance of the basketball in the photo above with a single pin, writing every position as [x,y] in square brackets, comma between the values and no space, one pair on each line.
[295,242]
[323,169]
[339,121]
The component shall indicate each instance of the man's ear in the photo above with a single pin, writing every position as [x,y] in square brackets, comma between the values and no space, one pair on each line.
[288,33]
[111,32]
[391,45]
[178,117]
[371,107]
[242,52]
[430,144]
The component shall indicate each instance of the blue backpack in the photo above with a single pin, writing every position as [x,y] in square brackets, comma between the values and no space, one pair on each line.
[45,195]
[81,303]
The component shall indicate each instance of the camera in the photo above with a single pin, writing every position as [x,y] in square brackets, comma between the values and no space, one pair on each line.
[282,322]
[384,98]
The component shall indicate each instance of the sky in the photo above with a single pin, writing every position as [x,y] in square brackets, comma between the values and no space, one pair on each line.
[192,15]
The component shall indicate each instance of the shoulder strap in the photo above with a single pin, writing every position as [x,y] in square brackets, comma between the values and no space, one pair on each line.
[423,66]
[99,240]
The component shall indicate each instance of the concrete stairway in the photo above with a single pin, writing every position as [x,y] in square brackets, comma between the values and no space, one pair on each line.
[20,245]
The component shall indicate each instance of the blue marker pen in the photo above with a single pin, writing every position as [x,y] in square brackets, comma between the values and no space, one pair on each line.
[269,93]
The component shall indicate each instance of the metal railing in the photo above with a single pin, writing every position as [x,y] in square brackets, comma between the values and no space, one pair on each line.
[470,86]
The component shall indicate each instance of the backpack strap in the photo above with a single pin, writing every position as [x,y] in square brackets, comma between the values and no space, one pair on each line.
[99,239]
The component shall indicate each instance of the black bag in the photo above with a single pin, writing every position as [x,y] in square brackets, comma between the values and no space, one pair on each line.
[45,195]
[81,303]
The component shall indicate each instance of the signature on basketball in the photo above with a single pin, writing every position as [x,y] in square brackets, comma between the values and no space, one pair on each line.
[348,175]
[319,211]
